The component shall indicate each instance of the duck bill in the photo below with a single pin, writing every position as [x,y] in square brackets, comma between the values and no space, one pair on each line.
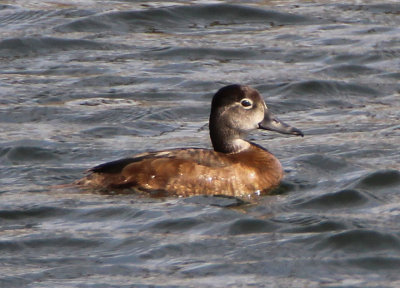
[272,123]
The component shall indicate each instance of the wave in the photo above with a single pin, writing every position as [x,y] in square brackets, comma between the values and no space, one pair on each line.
[181,19]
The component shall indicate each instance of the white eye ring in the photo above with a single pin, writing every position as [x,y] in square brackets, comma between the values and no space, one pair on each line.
[246,103]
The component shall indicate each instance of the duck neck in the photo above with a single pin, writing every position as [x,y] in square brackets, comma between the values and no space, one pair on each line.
[227,140]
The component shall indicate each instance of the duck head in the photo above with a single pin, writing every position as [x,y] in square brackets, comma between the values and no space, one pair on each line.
[235,111]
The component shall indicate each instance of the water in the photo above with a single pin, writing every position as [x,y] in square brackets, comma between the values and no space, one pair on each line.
[84,82]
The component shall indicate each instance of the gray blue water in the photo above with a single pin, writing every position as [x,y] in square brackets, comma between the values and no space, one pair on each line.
[85,82]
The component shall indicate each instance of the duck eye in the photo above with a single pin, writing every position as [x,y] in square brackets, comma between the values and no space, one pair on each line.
[246,103]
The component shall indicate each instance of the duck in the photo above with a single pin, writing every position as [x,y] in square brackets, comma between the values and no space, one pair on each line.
[234,167]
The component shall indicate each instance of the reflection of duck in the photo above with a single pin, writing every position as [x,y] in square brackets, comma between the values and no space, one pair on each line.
[235,167]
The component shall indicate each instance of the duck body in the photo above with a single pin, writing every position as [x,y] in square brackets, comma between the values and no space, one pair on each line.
[235,167]
[188,172]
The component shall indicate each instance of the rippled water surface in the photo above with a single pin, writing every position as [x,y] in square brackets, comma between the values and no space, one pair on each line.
[84,82]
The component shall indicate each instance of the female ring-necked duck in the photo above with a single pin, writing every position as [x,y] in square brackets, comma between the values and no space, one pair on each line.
[235,167]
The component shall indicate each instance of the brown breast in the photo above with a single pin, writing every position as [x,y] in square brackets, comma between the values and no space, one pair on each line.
[187,172]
